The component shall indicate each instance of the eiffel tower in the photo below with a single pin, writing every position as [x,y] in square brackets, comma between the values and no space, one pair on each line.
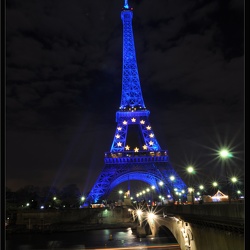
[135,153]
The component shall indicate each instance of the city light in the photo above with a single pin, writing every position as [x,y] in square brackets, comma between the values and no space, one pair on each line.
[234,179]
[224,153]
[139,212]
[190,169]
[172,178]
[151,216]
[215,184]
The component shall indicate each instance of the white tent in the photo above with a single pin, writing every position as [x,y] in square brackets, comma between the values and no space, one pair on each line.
[219,196]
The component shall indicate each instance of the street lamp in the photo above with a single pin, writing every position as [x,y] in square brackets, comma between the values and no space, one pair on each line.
[239,194]
[120,193]
[191,191]
[82,199]
[233,180]
[201,187]
[161,184]
[215,184]
[152,193]
[172,178]
[225,154]
[54,201]
[191,171]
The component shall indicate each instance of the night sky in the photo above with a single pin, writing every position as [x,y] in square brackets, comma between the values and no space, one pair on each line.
[63,85]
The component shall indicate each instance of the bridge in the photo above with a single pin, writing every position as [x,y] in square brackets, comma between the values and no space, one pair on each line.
[208,226]
[198,227]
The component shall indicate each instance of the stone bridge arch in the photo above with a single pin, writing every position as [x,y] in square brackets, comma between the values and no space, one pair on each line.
[178,229]
[195,236]
[164,231]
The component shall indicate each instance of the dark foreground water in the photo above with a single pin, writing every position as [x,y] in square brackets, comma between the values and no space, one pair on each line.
[97,239]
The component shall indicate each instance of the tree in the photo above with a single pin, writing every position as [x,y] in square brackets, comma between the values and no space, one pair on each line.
[70,195]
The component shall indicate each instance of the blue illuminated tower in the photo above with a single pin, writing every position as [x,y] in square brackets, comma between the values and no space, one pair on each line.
[135,153]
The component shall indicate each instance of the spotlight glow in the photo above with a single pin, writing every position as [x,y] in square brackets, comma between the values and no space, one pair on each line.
[151,216]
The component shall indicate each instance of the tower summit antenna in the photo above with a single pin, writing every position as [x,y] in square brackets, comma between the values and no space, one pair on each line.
[126,4]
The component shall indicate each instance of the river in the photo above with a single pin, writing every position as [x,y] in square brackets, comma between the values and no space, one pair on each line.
[96,239]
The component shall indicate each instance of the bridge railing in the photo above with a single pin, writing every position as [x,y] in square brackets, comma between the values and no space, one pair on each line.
[233,210]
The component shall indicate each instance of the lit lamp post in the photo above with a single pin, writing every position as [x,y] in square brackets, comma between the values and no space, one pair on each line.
[172,178]
[120,193]
[201,187]
[191,171]
[54,201]
[238,194]
[215,184]
[151,219]
[152,197]
[225,154]
[233,181]
[191,191]
[161,184]
[82,200]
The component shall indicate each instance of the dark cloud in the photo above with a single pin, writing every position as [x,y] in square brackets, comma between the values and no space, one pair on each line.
[64,69]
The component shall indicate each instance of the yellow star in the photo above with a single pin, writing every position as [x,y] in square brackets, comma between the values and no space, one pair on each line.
[133,119]
[148,127]
[127,147]
[117,136]
[151,143]
[145,147]
[125,122]
[119,128]
[136,149]
[142,122]
[119,144]
[151,135]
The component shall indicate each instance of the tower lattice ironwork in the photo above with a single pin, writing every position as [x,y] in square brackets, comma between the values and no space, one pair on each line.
[135,153]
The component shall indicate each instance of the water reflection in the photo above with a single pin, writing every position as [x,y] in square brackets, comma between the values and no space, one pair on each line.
[97,239]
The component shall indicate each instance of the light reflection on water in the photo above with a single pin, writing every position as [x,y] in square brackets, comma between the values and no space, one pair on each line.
[81,240]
